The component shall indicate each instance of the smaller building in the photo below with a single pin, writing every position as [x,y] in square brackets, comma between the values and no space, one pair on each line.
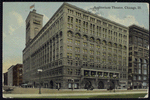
[17,75]
[10,76]
[5,78]
[138,69]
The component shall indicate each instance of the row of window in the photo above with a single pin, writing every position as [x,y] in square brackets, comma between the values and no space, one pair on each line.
[92,28]
[92,39]
[139,77]
[76,71]
[96,21]
[77,49]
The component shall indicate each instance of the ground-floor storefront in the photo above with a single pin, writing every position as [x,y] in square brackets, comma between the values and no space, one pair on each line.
[77,83]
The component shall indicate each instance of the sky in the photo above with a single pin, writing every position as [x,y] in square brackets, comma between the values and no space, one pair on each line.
[15,13]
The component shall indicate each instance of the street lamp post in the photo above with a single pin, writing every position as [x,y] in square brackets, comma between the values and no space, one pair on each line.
[114,76]
[39,70]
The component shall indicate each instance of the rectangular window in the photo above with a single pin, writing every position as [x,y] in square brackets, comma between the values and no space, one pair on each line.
[84,44]
[91,45]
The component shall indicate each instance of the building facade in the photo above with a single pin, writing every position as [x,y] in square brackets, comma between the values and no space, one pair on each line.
[6,78]
[10,76]
[17,75]
[138,57]
[75,49]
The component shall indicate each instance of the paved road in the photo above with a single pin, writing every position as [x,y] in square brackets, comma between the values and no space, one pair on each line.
[65,94]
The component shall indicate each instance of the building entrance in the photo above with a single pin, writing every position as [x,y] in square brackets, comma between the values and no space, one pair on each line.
[88,84]
[100,85]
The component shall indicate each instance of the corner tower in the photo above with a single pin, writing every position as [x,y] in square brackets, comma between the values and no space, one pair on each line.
[34,24]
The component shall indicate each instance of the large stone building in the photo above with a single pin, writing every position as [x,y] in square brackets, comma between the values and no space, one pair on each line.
[75,47]
[138,57]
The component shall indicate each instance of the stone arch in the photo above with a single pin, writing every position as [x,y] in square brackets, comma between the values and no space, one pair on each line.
[88,84]
[100,85]
[69,33]
[92,39]
[110,44]
[115,45]
[124,47]
[98,40]
[77,35]
[112,84]
[120,46]
[85,37]
[104,42]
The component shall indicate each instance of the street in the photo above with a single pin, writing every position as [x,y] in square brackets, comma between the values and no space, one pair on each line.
[69,94]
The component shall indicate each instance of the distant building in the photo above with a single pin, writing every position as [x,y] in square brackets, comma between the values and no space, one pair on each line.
[138,70]
[75,49]
[17,75]
[6,78]
[10,76]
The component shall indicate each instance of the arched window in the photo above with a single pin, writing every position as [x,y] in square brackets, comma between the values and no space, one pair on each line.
[115,45]
[85,37]
[92,39]
[69,33]
[110,44]
[98,41]
[124,47]
[104,42]
[77,35]
[120,46]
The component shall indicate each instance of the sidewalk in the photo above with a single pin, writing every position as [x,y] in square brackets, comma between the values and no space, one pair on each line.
[65,94]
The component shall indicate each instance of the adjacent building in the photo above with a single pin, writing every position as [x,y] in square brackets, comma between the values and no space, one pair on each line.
[75,49]
[138,70]
[14,75]
[6,78]
[17,75]
[10,76]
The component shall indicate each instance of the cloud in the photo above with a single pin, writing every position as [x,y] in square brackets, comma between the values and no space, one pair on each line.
[18,17]
[127,20]
[11,30]
[15,21]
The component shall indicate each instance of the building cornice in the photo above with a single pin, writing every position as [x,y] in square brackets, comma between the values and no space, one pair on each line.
[87,12]
[139,28]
